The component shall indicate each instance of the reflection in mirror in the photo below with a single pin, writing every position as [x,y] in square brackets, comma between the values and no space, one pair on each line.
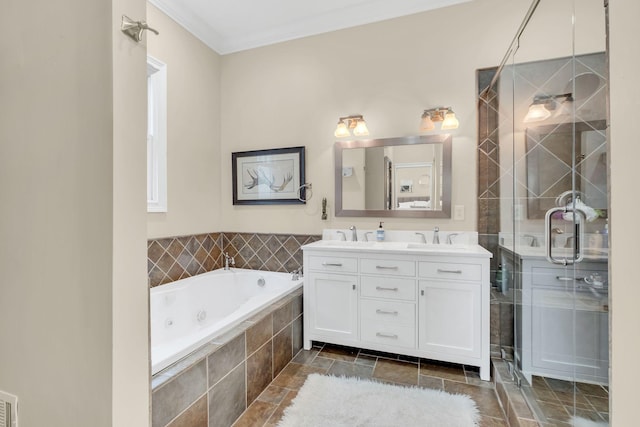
[394,177]
[550,151]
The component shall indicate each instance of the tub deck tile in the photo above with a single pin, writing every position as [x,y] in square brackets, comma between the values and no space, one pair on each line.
[259,333]
[178,394]
[227,399]
[225,359]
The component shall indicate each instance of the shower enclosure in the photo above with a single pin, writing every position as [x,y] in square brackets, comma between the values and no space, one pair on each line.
[543,144]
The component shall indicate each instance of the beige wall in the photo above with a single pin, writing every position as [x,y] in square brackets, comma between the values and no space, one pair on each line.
[193,140]
[64,273]
[293,93]
[131,373]
[625,152]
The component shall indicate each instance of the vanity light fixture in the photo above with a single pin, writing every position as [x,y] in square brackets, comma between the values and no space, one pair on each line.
[542,106]
[348,124]
[440,114]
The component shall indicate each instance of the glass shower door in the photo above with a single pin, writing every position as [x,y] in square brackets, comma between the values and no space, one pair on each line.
[553,149]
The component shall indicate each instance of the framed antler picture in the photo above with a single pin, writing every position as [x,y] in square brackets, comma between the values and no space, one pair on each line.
[266,177]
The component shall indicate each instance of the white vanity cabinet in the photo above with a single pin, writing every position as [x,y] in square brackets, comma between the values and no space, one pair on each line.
[400,301]
[388,302]
[333,286]
[563,322]
[451,308]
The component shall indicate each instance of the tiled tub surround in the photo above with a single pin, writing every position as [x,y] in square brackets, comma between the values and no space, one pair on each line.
[214,385]
[174,258]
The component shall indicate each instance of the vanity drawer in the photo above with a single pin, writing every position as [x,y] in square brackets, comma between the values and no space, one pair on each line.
[443,270]
[335,264]
[559,277]
[387,268]
[388,288]
[389,334]
[387,312]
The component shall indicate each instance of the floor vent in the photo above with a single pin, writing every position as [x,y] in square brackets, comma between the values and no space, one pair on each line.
[8,410]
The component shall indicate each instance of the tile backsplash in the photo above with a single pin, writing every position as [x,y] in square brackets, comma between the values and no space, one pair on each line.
[173,258]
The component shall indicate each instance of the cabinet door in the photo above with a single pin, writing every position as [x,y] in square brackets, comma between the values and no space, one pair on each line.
[450,318]
[333,308]
[568,339]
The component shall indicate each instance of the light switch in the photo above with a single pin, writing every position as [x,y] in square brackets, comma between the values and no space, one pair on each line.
[458,212]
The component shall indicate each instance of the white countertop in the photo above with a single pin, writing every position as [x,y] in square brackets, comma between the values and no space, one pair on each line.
[409,248]
[526,252]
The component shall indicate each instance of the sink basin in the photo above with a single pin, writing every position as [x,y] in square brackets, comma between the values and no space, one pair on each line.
[440,247]
[359,244]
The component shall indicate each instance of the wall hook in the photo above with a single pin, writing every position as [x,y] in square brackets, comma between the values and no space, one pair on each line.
[134,29]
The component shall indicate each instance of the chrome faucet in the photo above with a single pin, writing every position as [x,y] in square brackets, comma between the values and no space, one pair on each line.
[534,240]
[228,261]
[354,233]
[450,238]
[554,233]
[424,239]
[436,237]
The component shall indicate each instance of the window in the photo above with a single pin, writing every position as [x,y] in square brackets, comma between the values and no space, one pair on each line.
[156,136]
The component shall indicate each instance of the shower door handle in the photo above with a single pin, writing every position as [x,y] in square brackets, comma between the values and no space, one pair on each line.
[577,248]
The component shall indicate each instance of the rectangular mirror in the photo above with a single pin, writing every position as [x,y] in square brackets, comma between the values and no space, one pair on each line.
[550,153]
[408,177]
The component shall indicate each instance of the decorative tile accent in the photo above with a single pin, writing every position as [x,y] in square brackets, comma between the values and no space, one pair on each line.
[174,258]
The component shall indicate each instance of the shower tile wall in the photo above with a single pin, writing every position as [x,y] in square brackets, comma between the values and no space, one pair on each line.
[501,310]
[174,258]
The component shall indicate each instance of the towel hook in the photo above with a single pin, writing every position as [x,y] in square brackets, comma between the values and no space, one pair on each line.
[134,29]
[308,193]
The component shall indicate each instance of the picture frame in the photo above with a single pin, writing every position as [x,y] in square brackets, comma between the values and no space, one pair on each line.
[268,177]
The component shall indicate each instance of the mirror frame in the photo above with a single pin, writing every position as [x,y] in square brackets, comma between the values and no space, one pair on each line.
[445,212]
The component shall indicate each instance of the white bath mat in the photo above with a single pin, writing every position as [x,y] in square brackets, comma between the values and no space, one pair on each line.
[351,402]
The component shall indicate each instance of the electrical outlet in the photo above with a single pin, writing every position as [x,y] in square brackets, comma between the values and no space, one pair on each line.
[458,213]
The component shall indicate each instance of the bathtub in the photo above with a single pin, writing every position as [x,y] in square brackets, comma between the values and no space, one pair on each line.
[188,313]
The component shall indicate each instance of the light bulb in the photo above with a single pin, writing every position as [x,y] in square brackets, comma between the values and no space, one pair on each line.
[361,129]
[341,130]
[450,121]
[537,113]
[427,124]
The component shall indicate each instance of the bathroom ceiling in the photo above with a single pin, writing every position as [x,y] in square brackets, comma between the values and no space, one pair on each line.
[229,26]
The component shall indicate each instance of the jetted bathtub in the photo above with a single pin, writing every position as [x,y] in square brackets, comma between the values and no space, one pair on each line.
[188,313]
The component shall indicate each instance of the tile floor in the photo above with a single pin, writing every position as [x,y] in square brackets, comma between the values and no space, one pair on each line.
[553,401]
[268,408]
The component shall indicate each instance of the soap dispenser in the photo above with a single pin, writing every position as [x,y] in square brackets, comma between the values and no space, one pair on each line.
[380,233]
